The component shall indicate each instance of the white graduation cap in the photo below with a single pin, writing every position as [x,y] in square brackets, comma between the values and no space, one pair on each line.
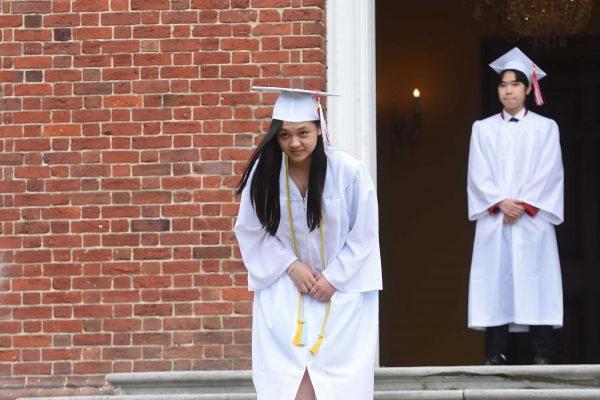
[517,60]
[298,105]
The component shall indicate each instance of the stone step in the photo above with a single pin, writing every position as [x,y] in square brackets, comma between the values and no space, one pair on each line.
[491,394]
[468,394]
[212,396]
[386,379]
[550,382]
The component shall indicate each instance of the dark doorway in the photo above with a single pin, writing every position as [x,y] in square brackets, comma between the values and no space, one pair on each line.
[426,239]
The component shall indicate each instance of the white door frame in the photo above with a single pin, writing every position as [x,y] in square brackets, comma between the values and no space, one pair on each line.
[351,73]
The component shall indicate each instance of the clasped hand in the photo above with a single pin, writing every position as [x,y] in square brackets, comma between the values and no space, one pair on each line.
[309,281]
[512,209]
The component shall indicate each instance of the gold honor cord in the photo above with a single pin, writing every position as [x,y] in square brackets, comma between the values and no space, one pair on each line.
[298,339]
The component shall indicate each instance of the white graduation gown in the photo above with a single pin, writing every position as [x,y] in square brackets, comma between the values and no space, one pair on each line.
[344,366]
[515,270]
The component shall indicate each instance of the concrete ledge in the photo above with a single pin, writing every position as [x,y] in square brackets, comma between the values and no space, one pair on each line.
[487,377]
[420,395]
[386,379]
[185,382]
[224,396]
[545,394]
[491,394]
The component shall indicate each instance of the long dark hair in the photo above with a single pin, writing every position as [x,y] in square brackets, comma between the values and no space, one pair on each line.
[264,187]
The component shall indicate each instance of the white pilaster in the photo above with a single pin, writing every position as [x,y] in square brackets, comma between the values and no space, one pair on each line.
[351,73]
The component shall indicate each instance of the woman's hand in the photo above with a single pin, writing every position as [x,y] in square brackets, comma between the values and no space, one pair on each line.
[511,209]
[322,290]
[303,276]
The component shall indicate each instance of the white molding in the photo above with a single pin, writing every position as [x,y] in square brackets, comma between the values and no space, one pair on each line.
[351,73]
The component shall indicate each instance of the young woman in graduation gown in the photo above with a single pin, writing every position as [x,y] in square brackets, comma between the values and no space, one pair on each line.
[308,234]
[515,193]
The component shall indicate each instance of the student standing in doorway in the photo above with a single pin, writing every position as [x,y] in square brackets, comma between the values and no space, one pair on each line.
[515,195]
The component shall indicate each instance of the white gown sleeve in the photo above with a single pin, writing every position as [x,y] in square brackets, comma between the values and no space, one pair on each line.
[482,188]
[545,187]
[264,255]
[362,243]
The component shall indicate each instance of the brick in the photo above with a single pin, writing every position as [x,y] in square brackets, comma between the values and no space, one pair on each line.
[12,186]
[151,254]
[303,14]
[236,16]
[33,62]
[58,269]
[61,103]
[11,131]
[237,294]
[212,31]
[240,71]
[171,295]
[61,298]
[86,33]
[61,354]
[150,225]
[95,88]
[14,21]
[150,5]
[32,256]
[10,49]
[298,42]
[61,157]
[188,324]
[62,326]
[214,252]
[117,74]
[179,17]
[213,308]
[61,130]
[210,4]
[67,48]
[121,46]
[93,339]
[62,34]
[91,255]
[91,367]
[179,72]
[33,35]
[121,18]
[160,86]
[145,32]
[55,20]
[31,7]
[269,3]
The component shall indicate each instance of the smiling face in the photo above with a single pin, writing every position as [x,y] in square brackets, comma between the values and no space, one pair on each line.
[298,140]
[512,93]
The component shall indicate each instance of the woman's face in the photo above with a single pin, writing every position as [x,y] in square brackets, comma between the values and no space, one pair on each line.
[512,93]
[298,140]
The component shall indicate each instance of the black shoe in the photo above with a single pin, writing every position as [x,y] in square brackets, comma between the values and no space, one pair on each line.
[541,361]
[498,359]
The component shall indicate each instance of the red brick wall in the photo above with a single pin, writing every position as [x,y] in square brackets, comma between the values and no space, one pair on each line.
[124,126]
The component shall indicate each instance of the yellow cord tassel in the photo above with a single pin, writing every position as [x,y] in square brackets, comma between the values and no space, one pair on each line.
[317,346]
[299,337]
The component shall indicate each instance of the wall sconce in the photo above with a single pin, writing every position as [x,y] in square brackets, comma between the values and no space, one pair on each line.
[417,96]
[406,126]
[412,127]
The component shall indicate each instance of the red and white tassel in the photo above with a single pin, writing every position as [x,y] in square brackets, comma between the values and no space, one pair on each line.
[324,129]
[537,92]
